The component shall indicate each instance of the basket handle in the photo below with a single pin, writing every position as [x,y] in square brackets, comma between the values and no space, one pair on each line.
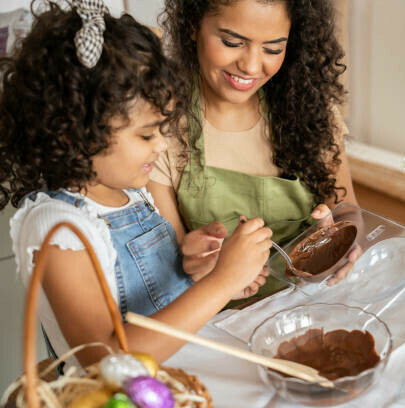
[30,367]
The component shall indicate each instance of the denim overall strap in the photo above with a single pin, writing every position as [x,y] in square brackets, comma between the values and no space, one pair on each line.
[148,269]
[149,265]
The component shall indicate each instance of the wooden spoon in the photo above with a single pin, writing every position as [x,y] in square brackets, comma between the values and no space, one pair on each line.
[283,366]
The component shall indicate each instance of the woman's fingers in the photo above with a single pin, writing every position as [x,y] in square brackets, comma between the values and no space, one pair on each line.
[204,240]
[323,213]
[356,253]
[345,270]
[198,267]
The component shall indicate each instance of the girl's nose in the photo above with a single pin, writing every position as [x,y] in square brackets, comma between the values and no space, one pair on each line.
[250,62]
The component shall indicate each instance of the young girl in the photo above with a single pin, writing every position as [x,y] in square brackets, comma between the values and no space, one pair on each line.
[84,103]
[264,131]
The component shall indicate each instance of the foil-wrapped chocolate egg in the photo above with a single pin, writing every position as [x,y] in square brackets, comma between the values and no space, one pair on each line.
[117,368]
[119,400]
[148,392]
[148,361]
[94,399]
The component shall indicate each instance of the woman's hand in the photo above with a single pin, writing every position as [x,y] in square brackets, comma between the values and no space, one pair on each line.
[323,213]
[200,249]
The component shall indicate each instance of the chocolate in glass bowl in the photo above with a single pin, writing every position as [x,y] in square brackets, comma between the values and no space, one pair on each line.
[320,253]
[335,354]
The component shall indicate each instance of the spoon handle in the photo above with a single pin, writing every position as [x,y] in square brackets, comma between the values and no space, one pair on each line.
[284,255]
[287,367]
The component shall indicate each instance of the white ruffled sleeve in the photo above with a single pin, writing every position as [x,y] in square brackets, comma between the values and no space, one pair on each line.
[31,223]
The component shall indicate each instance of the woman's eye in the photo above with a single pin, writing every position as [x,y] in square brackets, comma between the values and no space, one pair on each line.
[273,52]
[146,137]
[230,44]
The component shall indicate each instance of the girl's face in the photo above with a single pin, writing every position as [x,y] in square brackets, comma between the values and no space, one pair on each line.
[241,47]
[134,148]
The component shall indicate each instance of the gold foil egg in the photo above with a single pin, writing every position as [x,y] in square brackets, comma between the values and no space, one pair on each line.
[148,361]
[95,399]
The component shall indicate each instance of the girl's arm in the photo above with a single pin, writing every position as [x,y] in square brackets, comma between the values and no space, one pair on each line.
[71,286]
[165,199]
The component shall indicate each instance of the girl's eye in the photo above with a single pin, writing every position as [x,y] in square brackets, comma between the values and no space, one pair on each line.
[273,52]
[146,137]
[230,44]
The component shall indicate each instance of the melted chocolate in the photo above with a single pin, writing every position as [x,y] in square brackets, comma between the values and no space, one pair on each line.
[323,249]
[335,354]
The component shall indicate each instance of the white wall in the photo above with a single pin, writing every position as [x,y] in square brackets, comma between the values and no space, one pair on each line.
[115,6]
[12,296]
[378,73]
[145,11]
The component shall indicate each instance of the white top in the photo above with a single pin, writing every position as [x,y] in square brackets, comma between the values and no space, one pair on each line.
[31,223]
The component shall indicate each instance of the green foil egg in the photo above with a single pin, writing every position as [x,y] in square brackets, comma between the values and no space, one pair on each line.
[119,400]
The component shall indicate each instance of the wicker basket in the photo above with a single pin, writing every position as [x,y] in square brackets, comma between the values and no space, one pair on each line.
[34,391]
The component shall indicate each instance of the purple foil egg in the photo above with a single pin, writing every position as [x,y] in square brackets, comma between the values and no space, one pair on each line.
[148,392]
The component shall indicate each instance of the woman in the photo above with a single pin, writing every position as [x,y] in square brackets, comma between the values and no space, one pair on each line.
[264,131]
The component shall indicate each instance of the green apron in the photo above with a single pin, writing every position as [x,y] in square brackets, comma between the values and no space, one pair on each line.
[209,194]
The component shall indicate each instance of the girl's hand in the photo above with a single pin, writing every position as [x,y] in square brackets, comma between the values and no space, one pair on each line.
[243,255]
[200,249]
[254,287]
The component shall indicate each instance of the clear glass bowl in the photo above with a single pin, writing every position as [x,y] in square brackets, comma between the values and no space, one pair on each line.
[289,323]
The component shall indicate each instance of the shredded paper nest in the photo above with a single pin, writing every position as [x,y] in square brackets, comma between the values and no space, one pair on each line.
[187,390]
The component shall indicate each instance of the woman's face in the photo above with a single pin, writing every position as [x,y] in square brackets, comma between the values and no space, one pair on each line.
[240,48]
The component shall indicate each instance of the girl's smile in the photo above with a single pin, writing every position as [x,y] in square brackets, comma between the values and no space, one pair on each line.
[148,167]
[131,156]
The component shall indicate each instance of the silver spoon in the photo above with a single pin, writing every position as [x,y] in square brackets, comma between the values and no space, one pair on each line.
[284,255]
[293,269]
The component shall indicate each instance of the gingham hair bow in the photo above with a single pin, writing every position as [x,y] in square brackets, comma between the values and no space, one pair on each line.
[89,39]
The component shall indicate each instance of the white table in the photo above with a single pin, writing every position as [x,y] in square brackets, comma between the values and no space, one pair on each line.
[235,383]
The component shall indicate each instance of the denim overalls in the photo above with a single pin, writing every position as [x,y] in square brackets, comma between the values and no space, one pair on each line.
[148,269]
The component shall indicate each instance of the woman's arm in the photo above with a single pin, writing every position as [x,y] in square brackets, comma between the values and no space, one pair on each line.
[343,179]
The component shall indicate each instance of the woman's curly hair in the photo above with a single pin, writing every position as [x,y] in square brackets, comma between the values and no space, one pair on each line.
[300,96]
[55,112]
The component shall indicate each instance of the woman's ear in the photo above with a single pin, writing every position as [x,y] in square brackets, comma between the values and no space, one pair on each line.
[194,34]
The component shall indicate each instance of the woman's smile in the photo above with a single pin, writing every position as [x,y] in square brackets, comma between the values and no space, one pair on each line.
[240,83]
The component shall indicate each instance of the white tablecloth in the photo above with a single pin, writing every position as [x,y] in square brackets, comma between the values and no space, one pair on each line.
[235,383]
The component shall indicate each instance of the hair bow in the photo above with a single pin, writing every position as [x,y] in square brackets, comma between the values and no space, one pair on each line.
[89,39]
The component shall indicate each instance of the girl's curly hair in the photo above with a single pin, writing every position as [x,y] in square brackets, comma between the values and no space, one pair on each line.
[300,96]
[55,112]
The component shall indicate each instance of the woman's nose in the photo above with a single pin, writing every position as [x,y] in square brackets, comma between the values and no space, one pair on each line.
[161,144]
[250,62]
